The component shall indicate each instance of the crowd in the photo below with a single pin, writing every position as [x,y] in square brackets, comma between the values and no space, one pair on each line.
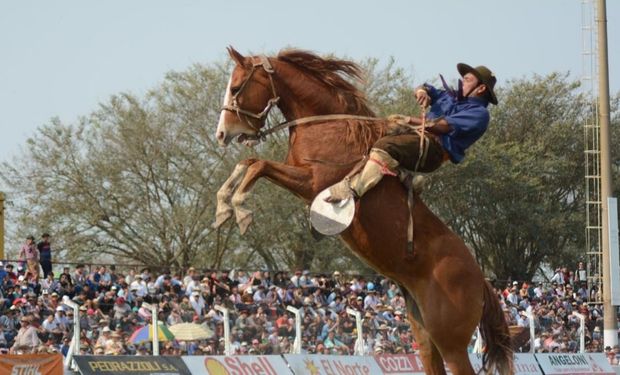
[553,306]
[33,317]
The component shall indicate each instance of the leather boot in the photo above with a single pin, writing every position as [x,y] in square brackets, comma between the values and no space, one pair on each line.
[379,164]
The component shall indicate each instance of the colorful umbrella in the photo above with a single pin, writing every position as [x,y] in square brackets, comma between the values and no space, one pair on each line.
[146,334]
[190,331]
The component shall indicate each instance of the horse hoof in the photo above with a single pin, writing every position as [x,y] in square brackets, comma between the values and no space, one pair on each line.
[244,219]
[221,218]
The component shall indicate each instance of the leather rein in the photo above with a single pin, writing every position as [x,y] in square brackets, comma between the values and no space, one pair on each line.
[261,135]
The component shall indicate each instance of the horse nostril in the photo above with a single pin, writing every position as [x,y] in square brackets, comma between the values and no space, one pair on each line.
[220,135]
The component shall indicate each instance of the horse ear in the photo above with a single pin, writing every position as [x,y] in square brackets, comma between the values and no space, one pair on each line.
[236,56]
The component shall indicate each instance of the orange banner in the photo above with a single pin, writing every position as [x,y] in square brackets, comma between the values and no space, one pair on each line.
[31,364]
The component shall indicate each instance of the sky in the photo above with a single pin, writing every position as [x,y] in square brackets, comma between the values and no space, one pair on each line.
[62,58]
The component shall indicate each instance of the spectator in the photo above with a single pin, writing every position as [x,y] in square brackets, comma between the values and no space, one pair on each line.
[558,277]
[45,254]
[79,275]
[30,255]
[27,339]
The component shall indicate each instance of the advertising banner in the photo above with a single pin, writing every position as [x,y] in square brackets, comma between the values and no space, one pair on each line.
[237,365]
[126,364]
[401,364]
[43,364]
[574,363]
[524,363]
[332,364]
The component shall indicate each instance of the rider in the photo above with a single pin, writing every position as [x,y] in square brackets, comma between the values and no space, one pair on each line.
[455,121]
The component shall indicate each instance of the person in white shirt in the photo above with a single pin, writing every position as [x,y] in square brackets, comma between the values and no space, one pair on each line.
[50,325]
[305,281]
[259,295]
[512,296]
[191,274]
[61,318]
[558,277]
[105,338]
[139,286]
[192,285]
[295,279]
[539,290]
[197,302]
[27,339]
[371,300]
[522,320]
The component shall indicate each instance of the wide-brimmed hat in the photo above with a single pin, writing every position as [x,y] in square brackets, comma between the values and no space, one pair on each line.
[484,75]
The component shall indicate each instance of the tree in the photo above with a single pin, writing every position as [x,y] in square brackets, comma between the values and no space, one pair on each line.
[135,180]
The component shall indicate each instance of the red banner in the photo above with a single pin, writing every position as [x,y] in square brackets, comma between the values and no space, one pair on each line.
[30,364]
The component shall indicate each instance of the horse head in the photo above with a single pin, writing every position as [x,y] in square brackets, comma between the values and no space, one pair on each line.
[250,95]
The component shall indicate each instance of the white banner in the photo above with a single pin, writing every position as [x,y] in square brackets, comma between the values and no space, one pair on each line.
[246,365]
[524,363]
[332,364]
[574,363]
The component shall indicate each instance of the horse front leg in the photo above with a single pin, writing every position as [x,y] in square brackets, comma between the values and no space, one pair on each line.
[297,180]
[224,210]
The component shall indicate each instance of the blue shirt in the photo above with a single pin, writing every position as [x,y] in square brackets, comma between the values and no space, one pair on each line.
[468,118]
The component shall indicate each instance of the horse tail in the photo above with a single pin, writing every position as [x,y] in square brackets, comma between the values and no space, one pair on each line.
[498,352]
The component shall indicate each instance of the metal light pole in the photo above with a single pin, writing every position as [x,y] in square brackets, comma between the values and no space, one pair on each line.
[359,343]
[227,347]
[530,318]
[75,342]
[478,345]
[610,337]
[155,328]
[297,342]
[1,225]
[582,332]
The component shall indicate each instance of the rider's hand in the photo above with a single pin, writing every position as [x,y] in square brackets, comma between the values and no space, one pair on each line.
[422,97]
[400,119]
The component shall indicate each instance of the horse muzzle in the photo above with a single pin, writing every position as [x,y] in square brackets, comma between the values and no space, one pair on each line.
[224,138]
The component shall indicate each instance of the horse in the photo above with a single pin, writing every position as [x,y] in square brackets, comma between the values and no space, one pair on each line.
[331,127]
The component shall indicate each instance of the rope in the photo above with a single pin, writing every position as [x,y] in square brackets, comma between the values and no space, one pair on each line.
[422,154]
[310,119]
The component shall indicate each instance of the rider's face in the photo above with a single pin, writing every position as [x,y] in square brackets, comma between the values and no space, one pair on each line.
[470,85]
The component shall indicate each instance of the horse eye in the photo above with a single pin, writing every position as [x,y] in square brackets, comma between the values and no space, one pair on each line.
[235,90]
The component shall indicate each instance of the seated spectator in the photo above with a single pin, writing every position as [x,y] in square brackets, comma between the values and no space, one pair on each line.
[27,339]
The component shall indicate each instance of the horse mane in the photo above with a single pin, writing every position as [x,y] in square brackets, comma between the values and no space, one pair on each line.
[333,73]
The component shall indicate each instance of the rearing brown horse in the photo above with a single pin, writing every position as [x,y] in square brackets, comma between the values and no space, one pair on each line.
[446,292]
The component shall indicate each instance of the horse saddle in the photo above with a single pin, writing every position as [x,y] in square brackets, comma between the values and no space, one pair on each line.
[331,219]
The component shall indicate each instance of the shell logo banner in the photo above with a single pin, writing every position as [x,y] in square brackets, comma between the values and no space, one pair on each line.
[237,365]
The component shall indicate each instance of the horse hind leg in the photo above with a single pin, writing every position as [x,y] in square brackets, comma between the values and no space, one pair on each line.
[224,210]
[429,354]
[433,360]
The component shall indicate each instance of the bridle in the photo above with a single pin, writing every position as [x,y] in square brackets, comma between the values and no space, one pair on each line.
[263,62]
